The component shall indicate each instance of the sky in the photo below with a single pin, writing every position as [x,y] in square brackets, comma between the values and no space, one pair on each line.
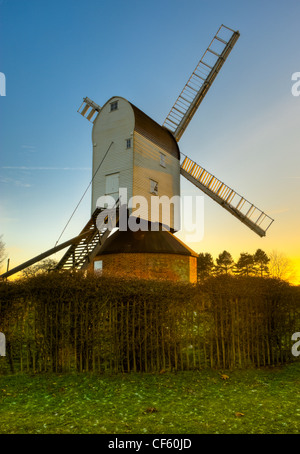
[246,131]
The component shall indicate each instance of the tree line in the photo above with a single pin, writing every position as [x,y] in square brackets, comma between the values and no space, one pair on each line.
[274,265]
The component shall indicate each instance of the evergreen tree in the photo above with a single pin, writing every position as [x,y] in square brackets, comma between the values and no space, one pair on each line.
[224,263]
[261,261]
[205,265]
[244,265]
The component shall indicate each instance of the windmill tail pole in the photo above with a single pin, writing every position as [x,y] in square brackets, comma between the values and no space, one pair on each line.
[41,256]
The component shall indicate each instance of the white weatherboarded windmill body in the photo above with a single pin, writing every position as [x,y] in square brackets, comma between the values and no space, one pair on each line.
[142,158]
[132,152]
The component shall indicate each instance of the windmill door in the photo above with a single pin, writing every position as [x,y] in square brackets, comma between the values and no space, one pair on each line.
[112,185]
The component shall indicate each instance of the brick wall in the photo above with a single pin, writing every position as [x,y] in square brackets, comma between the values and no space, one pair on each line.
[172,267]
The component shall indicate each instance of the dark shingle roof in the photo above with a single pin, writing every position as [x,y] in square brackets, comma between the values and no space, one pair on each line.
[159,135]
[162,242]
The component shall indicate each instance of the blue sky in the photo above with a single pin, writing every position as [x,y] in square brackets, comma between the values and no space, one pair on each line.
[246,131]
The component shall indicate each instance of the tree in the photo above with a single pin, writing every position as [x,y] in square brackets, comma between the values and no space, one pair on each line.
[2,251]
[224,263]
[280,266]
[261,261]
[205,265]
[245,264]
[44,266]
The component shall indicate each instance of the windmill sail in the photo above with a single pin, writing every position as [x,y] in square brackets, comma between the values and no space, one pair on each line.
[238,206]
[89,109]
[200,81]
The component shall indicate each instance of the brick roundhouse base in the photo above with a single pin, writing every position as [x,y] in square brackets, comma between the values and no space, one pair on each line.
[147,255]
[173,267]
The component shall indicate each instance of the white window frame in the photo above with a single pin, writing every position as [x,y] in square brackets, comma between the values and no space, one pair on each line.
[162,159]
[107,189]
[153,187]
[100,268]
[114,106]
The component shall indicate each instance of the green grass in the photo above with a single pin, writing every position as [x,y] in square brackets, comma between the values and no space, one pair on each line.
[198,402]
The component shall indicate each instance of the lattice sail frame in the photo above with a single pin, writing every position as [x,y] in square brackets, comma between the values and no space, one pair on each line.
[200,81]
[228,198]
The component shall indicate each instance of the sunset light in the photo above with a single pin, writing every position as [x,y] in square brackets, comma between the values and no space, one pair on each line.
[149,220]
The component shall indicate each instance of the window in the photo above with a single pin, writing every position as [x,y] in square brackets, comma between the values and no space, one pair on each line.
[162,160]
[98,266]
[112,184]
[128,143]
[113,106]
[153,187]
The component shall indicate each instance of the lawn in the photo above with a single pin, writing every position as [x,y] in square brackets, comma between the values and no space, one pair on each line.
[264,401]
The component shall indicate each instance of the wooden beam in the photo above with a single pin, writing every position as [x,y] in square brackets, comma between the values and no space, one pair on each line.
[44,255]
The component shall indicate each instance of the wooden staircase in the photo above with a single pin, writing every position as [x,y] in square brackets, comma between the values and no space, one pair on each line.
[81,253]
[82,248]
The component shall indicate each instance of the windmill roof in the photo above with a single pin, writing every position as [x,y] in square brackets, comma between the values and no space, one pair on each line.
[156,242]
[158,134]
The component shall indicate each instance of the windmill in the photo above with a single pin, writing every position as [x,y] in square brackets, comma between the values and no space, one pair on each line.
[133,152]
